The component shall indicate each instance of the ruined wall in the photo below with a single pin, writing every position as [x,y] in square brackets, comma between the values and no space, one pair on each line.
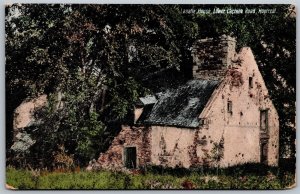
[138,137]
[240,128]
[156,145]
[212,57]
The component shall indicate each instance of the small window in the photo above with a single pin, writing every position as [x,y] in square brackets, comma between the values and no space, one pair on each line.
[264,120]
[203,122]
[229,106]
[250,82]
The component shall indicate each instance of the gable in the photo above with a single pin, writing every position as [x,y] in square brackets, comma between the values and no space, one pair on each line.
[180,107]
[244,85]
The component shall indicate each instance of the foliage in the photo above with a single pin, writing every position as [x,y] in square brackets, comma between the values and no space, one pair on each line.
[24,179]
[98,61]
[217,152]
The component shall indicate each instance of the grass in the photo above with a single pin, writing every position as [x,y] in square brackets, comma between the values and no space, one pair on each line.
[152,179]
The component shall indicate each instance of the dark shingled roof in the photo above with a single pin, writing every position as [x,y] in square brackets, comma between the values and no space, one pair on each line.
[180,107]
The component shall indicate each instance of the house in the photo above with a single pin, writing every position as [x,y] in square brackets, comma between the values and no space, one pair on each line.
[222,117]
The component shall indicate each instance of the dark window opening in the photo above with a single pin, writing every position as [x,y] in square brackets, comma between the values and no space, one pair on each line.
[264,152]
[130,157]
[229,107]
[264,120]
[203,122]
[250,82]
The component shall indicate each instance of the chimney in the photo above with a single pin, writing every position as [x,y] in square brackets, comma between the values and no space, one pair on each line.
[212,57]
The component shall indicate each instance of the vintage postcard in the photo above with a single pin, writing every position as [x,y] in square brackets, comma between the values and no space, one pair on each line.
[125,97]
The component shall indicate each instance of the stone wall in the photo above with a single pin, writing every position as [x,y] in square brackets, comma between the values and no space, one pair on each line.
[158,145]
[138,137]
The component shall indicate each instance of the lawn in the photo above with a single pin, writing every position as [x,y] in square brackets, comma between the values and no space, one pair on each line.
[238,179]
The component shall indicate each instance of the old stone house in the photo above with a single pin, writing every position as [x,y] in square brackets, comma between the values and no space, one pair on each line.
[222,117]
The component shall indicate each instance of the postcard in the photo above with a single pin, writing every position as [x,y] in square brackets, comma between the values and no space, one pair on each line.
[150,97]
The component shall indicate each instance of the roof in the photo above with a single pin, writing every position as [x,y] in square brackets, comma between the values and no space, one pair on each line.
[149,99]
[180,107]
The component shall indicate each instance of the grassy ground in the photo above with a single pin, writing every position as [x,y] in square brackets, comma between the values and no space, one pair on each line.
[238,179]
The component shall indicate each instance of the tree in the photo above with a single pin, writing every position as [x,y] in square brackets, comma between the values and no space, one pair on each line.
[99,61]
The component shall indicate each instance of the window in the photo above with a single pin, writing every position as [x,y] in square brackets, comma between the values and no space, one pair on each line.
[229,107]
[130,157]
[264,120]
[250,82]
[203,122]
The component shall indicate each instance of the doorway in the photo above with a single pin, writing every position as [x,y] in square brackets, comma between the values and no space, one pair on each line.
[130,157]
[264,153]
